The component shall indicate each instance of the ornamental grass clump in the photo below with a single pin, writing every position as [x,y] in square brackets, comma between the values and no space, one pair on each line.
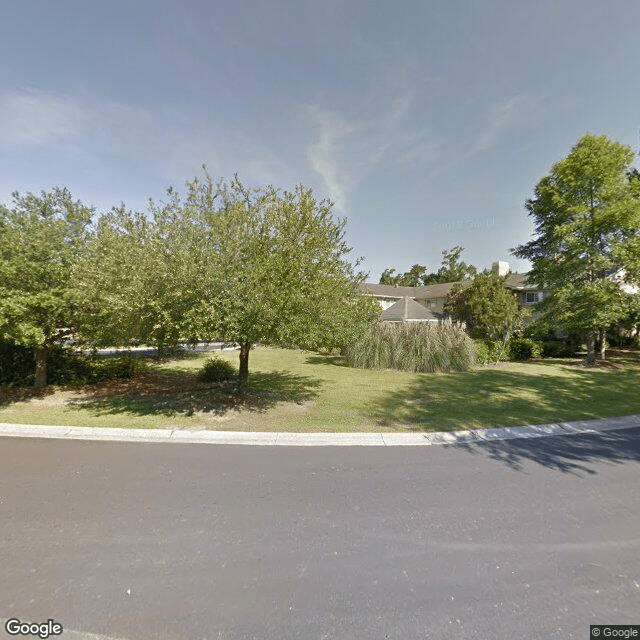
[413,346]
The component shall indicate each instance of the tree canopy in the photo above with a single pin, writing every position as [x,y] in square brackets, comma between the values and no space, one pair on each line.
[487,307]
[229,262]
[452,269]
[41,240]
[587,221]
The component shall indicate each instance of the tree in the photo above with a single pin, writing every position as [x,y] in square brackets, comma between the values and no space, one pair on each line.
[452,269]
[142,275]
[279,273]
[231,263]
[487,307]
[41,240]
[587,217]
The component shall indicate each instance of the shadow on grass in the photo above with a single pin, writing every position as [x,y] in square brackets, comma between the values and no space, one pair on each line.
[537,393]
[568,454]
[338,361]
[172,393]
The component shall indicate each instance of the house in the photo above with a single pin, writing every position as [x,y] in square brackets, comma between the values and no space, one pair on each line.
[432,297]
[408,310]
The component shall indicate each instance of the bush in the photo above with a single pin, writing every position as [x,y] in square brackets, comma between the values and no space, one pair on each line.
[557,349]
[524,349]
[18,367]
[490,351]
[217,369]
[482,352]
[413,346]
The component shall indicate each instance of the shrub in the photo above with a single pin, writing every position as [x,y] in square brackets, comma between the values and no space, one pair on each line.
[483,354]
[17,367]
[489,351]
[556,349]
[524,349]
[413,346]
[217,369]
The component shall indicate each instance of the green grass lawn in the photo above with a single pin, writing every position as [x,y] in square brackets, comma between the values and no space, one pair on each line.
[302,391]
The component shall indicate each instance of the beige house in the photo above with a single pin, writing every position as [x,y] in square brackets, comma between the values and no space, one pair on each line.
[432,297]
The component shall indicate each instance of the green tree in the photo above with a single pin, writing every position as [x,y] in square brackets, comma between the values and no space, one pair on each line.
[41,240]
[142,275]
[226,262]
[387,277]
[279,273]
[452,269]
[587,218]
[487,307]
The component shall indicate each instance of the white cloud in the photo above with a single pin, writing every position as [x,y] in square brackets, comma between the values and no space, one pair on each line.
[34,118]
[325,154]
[504,116]
[345,151]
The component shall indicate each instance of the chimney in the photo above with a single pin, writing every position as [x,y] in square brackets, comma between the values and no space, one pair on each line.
[500,268]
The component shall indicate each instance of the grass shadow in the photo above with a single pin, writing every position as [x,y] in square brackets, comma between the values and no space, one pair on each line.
[534,393]
[338,361]
[173,393]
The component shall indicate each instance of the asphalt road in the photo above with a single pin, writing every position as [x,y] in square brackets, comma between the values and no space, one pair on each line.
[523,539]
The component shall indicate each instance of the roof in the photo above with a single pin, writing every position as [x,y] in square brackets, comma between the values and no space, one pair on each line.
[515,281]
[408,309]
[391,291]
[519,281]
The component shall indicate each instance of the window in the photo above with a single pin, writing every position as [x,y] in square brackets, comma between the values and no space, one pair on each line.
[531,297]
[431,303]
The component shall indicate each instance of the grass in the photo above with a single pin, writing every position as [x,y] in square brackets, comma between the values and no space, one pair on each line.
[301,391]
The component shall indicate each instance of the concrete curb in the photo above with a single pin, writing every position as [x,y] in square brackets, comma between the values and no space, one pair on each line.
[317,439]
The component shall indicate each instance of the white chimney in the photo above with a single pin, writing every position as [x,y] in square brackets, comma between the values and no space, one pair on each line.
[500,268]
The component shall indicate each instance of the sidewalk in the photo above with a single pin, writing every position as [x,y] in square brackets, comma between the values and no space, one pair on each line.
[317,439]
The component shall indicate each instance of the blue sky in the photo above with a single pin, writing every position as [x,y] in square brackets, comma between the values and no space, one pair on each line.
[428,123]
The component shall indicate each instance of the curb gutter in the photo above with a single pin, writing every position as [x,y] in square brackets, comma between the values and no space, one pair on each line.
[317,439]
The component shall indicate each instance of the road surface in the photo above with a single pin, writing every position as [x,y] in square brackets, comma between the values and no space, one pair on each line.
[525,539]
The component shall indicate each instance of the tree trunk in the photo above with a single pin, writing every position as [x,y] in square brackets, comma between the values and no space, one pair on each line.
[591,347]
[245,347]
[41,355]
[603,343]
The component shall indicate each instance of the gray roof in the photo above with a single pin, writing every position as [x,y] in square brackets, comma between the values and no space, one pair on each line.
[519,281]
[515,281]
[408,309]
[391,291]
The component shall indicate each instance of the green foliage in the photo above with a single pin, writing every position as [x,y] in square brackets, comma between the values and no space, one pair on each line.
[452,269]
[587,218]
[142,276]
[490,351]
[17,367]
[276,269]
[41,240]
[217,369]
[17,364]
[524,349]
[557,349]
[413,346]
[487,308]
